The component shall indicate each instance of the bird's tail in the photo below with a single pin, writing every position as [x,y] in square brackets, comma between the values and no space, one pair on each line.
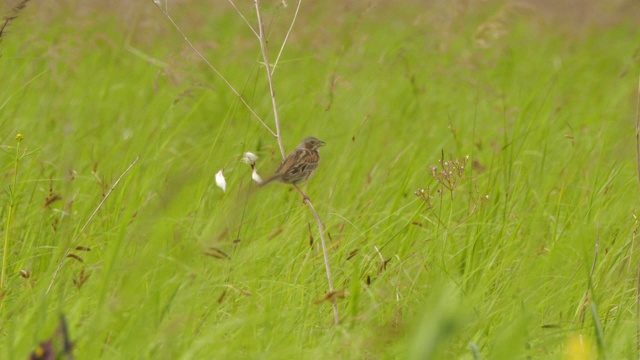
[270,180]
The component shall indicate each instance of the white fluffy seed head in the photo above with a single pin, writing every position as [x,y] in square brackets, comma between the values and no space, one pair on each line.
[249,158]
[256,177]
[220,180]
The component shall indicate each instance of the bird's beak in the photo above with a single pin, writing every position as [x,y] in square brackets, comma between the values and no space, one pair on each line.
[322,143]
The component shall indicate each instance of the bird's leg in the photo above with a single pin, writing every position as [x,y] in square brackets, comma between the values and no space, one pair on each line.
[305,198]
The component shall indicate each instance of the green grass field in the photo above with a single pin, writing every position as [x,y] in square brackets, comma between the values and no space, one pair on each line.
[530,251]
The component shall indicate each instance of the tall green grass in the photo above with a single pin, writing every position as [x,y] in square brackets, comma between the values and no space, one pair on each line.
[532,252]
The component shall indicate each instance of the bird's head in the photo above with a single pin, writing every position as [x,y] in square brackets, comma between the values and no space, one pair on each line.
[311,143]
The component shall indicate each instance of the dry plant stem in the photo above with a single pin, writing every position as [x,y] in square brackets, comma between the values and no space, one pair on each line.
[213,68]
[336,316]
[284,42]
[243,18]
[265,57]
[104,199]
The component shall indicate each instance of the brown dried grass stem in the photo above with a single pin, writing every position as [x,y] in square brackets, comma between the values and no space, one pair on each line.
[325,254]
[284,42]
[269,71]
[265,57]
[215,70]
[244,18]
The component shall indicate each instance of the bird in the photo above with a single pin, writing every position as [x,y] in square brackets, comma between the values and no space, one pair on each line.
[300,164]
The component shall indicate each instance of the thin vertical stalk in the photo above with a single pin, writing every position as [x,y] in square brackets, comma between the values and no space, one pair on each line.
[284,42]
[265,57]
[7,227]
[325,253]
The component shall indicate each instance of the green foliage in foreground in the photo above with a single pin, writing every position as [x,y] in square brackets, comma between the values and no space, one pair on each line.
[531,252]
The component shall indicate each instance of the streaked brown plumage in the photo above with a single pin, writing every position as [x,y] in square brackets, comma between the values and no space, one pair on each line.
[300,164]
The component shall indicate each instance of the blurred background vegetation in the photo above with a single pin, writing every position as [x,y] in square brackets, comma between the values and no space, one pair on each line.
[532,253]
